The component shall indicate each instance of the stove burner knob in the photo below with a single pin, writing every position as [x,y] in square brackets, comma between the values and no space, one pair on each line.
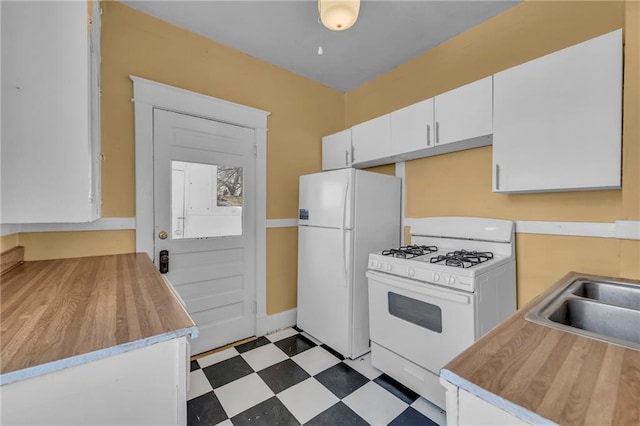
[436,277]
[452,280]
[412,272]
[379,265]
[389,267]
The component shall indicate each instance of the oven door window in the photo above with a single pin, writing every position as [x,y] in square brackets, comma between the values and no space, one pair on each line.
[416,312]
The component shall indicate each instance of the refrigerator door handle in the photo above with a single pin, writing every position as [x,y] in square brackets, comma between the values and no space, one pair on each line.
[344,232]
[344,204]
[344,257]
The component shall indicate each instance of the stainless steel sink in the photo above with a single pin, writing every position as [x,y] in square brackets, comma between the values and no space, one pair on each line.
[615,294]
[606,310]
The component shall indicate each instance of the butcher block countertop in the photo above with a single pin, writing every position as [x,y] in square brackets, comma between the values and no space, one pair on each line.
[60,313]
[544,375]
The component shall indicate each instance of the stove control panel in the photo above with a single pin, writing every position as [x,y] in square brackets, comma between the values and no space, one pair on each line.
[421,272]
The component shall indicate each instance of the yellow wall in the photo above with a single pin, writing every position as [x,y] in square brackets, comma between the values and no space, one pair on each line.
[631,121]
[8,242]
[302,111]
[544,259]
[441,185]
[282,269]
[58,245]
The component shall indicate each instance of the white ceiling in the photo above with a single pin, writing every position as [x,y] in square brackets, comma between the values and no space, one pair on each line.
[287,33]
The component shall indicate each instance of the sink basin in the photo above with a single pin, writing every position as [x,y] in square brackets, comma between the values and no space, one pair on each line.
[599,319]
[605,310]
[615,294]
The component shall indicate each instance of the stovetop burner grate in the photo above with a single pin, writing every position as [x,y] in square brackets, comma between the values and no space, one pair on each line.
[463,258]
[409,252]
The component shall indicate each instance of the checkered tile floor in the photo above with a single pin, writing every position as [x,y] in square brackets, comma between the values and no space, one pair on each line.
[288,378]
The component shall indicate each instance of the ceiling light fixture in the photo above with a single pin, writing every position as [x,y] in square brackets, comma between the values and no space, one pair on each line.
[338,15]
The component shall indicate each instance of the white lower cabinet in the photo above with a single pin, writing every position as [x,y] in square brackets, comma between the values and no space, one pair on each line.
[337,150]
[464,408]
[50,142]
[558,118]
[371,142]
[465,113]
[146,386]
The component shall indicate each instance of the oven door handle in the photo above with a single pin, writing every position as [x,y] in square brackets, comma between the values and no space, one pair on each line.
[420,291]
[446,295]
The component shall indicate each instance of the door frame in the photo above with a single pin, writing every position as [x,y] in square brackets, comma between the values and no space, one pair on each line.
[147,95]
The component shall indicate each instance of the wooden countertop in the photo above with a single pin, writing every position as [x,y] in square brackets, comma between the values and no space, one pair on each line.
[58,313]
[560,376]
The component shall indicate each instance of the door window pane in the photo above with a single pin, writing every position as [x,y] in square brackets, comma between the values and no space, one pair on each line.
[206,200]
[415,311]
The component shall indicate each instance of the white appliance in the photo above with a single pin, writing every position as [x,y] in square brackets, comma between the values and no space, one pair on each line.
[344,215]
[431,300]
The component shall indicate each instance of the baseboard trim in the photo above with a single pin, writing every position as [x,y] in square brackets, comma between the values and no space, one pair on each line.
[266,324]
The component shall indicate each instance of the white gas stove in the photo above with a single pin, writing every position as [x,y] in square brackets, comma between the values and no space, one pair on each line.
[446,253]
[431,300]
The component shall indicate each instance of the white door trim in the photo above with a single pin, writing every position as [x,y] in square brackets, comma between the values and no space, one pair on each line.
[148,95]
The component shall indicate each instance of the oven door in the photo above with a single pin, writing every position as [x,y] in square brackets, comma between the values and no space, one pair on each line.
[424,323]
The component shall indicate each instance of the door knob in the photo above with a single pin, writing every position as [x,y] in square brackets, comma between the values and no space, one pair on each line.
[162,235]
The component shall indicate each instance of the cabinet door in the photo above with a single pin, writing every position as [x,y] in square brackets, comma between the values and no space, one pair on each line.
[473,410]
[46,140]
[371,141]
[558,120]
[412,128]
[336,150]
[465,113]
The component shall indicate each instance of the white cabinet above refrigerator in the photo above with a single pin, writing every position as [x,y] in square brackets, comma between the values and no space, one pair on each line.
[337,151]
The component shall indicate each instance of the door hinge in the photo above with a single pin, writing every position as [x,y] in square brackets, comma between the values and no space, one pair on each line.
[255,151]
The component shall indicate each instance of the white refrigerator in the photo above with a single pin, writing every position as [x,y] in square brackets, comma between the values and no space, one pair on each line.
[344,215]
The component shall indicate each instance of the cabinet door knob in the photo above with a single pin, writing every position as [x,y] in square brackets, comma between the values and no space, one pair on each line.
[437,133]
[346,157]
[497,177]
[428,135]
[163,235]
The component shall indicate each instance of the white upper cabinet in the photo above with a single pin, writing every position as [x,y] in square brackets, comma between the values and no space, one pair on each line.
[412,128]
[465,113]
[371,142]
[453,121]
[557,120]
[50,112]
[337,150]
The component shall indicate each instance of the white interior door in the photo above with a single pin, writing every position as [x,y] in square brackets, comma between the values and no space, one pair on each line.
[204,215]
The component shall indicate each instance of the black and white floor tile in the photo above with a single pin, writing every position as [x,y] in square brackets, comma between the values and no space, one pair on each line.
[288,378]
